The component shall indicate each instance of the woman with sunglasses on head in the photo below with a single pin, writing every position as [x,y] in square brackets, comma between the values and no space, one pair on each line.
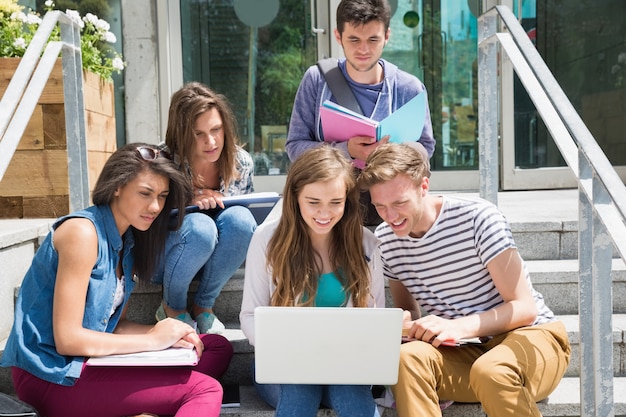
[318,254]
[202,137]
[73,300]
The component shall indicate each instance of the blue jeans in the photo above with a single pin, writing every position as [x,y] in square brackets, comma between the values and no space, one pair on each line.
[304,400]
[210,249]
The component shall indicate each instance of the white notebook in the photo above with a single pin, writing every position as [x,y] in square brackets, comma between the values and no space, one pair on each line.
[168,357]
[327,345]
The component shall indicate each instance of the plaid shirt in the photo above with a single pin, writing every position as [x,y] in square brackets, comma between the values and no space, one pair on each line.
[242,185]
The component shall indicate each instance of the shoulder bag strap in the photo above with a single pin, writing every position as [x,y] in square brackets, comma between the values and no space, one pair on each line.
[338,84]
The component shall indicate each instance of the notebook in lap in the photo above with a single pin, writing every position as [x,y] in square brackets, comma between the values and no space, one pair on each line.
[308,345]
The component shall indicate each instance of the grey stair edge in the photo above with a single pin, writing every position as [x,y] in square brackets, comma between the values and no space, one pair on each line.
[564,401]
[566,270]
[17,231]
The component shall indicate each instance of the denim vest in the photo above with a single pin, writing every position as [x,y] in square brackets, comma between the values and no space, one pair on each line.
[31,343]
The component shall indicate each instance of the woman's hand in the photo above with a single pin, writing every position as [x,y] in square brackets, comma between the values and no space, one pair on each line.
[172,332]
[208,199]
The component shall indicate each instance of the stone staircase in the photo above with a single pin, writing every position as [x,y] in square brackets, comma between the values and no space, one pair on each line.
[544,225]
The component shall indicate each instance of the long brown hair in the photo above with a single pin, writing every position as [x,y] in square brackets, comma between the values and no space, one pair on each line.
[120,169]
[186,105]
[294,263]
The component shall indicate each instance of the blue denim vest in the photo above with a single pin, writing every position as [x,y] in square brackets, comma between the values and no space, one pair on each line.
[31,343]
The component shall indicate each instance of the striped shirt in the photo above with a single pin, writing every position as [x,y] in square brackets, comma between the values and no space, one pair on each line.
[446,269]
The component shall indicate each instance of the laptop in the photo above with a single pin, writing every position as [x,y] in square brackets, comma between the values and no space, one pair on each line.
[327,345]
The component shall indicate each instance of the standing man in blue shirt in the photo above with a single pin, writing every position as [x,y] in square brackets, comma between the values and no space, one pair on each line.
[379,86]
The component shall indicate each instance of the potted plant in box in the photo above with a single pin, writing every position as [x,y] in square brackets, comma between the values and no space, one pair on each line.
[18,25]
[43,144]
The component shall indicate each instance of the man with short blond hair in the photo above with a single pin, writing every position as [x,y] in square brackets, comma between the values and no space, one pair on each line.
[455,259]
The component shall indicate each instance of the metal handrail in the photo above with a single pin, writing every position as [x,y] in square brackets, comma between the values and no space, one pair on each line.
[602,195]
[25,88]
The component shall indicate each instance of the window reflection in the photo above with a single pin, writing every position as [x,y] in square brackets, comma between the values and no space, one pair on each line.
[257,68]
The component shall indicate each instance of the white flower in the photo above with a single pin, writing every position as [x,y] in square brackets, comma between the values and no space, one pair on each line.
[33,19]
[91,18]
[49,3]
[19,43]
[18,16]
[75,17]
[621,58]
[102,25]
[615,69]
[109,37]
[118,64]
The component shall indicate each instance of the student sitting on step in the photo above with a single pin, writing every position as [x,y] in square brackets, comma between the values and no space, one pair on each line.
[455,258]
[73,300]
[317,254]
[202,137]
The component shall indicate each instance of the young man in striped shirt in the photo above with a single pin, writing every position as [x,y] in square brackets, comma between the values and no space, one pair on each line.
[455,260]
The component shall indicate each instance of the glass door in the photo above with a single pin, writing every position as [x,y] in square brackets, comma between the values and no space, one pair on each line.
[435,40]
[584,45]
[255,52]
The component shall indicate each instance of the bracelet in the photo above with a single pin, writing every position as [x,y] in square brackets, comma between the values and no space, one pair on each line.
[200,191]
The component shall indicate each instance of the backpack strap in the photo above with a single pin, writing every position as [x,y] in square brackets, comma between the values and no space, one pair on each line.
[338,84]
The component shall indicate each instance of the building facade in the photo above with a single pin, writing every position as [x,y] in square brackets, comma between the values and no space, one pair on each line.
[255,52]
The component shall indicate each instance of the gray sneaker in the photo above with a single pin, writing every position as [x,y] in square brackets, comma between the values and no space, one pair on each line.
[185,317]
[209,323]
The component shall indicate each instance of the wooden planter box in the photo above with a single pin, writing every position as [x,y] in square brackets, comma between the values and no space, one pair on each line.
[35,184]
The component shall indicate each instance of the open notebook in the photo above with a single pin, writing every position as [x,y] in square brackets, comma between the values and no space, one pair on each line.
[326,345]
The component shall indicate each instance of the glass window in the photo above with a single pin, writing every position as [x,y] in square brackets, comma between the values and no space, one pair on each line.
[436,40]
[584,44]
[258,65]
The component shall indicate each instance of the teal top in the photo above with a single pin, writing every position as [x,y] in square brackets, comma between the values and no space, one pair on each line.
[330,291]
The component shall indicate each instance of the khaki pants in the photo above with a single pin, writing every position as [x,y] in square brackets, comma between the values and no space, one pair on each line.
[507,375]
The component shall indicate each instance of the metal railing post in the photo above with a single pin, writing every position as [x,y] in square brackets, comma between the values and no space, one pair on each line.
[488,107]
[602,195]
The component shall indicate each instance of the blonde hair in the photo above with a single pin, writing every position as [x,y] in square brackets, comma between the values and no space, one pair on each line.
[391,159]
[294,263]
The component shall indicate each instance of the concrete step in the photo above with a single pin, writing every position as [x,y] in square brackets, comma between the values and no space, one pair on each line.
[563,402]
[557,281]
[19,239]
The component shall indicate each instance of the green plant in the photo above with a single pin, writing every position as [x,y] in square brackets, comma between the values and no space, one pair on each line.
[18,26]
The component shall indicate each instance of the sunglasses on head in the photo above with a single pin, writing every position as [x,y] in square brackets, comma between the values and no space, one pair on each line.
[150,154]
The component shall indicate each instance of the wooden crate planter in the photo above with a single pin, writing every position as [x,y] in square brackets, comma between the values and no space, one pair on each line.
[35,184]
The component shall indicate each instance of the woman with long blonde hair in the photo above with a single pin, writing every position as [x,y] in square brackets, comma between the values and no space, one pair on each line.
[316,254]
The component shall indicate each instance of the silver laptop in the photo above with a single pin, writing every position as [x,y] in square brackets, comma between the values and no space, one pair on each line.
[326,345]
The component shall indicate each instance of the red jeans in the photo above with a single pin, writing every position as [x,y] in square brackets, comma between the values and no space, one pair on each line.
[127,391]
